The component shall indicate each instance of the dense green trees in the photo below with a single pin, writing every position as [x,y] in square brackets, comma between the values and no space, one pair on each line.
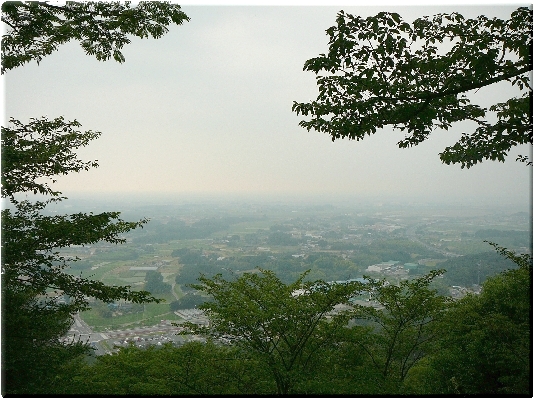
[474,269]
[33,268]
[486,340]
[404,327]
[301,337]
[289,265]
[382,71]
[284,326]
[189,300]
[514,239]
[154,283]
[178,230]
[187,256]
[266,337]
[33,275]
[282,239]
[193,369]
[32,352]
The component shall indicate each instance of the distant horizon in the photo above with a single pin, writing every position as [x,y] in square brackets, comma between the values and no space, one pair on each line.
[205,112]
[144,197]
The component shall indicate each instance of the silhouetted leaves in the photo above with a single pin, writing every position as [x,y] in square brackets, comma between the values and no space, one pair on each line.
[381,71]
[36,29]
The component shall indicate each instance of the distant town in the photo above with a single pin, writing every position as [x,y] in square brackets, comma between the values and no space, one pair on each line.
[333,243]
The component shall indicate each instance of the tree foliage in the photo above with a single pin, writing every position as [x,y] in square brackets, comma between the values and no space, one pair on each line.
[285,326]
[154,283]
[281,335]
[41,149]
[33,266]
[198,369]
[189,300]
[486,340]
[32,240]
[381,71]
[33,154]
[404,324]
[37,29]
[273,338]
[33,353]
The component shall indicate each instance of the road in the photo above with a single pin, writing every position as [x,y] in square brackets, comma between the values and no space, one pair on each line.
[173,290]
[83,332]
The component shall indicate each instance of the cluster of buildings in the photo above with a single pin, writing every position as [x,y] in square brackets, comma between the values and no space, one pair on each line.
[193,315]
[458,292]
[392,267]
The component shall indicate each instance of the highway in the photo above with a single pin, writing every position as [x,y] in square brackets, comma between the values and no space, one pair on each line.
[83,332]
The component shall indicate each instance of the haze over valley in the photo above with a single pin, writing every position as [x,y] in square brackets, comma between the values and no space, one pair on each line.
[335,241]
[237,200]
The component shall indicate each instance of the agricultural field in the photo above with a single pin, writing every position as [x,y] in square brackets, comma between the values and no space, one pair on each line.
[328,243]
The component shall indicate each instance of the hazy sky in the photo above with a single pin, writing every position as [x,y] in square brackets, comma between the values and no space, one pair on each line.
[207,109]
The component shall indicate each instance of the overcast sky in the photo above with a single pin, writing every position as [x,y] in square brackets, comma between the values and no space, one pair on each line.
[207,109]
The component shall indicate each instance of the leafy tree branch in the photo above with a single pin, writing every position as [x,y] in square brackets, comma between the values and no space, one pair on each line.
[381,71]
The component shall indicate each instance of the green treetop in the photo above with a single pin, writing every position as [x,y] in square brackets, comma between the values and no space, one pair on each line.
[285,326]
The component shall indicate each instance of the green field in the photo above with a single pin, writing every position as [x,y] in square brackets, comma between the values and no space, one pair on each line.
[333,245]
[151,315]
